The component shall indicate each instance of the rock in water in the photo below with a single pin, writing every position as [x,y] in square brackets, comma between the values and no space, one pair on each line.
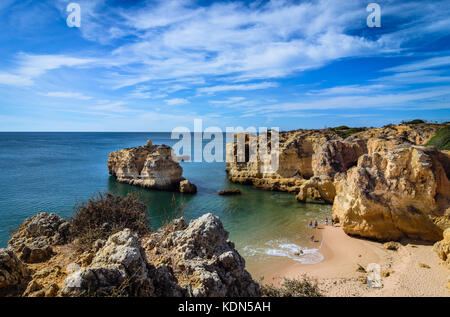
[404,192]
[119,268]
[187,187]
[12,271]
[149,166]
[230,191]
[202,259]
[34,240]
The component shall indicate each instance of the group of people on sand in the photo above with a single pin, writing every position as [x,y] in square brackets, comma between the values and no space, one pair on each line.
[316,225]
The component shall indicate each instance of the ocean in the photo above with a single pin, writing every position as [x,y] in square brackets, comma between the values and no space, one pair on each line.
[54,171]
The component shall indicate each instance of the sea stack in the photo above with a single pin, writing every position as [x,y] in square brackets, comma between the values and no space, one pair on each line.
[149,166]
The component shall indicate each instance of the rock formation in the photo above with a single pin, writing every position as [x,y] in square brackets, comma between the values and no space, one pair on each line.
[442,248]
[187,187]
[381,183]
[201,257]
[404,192]
[12,271]
[148,166]
[119,266]
[177,260]
[34,240]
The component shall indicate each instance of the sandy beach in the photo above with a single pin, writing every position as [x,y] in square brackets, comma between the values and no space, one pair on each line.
[337,274]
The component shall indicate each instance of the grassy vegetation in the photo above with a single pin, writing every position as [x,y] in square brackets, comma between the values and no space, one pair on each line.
[415,121]
[344,131]
[441,139]
[304,287]
[106,214]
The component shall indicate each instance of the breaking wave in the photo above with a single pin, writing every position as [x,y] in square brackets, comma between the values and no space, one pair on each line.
[282,248]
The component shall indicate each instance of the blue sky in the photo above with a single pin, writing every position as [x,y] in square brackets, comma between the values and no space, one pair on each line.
[156,65]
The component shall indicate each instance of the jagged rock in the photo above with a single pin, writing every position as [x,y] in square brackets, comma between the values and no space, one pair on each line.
[404,192]
[442,248]
[187,187]
[119,267]
[34,240]
[203,261]
[12,271]
[149,166]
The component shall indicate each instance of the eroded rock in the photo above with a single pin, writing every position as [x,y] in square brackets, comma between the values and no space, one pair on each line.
[202,259]
[404,192]
[13,272]
[119,268]
[34,240]
[149,166]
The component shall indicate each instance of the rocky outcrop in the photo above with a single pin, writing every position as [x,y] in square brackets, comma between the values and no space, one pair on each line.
[317,187]
[202,259]
[119,268]
[337,156]
[295,161]
[304,154]
[13,272]
[148,166]
[404,192]
[186,187]
[177,260]
[442,248]
[34,240]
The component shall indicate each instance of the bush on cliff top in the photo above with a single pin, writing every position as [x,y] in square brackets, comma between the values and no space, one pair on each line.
[304,287]
[415,121]
[441,140]
[344,131]
[105,214]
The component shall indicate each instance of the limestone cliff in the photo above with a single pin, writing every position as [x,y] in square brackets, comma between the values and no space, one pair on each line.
[381,183]
[403,192]
[149,166]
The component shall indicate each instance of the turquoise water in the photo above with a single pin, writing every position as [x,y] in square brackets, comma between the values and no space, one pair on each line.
[53,171]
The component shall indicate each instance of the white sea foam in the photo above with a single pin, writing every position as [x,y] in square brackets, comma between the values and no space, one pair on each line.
[283,248]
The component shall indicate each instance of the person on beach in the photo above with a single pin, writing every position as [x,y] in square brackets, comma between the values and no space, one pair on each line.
[310,224]
[326,221]
[315,224]
[332,222]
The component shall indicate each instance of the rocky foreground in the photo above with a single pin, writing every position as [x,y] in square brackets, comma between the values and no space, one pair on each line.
[149,166]
[180,259]
[383,182]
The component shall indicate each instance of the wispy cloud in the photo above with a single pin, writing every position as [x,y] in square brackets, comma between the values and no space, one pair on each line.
[176,101]
[71,95]
[240,87]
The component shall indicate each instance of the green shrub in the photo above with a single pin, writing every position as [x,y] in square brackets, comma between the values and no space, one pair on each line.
[441,140]
[105,214]
[344,131]
[304,287]
[415,121]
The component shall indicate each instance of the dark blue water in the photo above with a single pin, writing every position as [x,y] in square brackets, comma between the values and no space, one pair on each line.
[53,171]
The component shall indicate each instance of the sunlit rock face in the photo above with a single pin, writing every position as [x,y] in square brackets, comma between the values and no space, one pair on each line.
[399,193]
[148,166]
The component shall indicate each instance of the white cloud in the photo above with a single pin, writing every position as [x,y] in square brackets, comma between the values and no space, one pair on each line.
[176,101]
[71,95]
[240,87]
[30,66]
